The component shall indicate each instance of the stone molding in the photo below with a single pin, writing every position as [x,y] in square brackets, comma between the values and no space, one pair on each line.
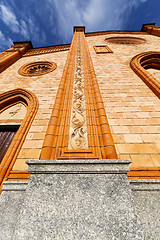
[100,166]
[145,184]
[14,185]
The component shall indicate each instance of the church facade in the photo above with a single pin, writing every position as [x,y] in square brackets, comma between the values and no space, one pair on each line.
[80,137]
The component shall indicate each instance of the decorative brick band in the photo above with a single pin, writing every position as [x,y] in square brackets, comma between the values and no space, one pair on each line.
[7,99]
[144,61]
[144,173]
[19,175]
[100,142]
[45,50]
[113,32]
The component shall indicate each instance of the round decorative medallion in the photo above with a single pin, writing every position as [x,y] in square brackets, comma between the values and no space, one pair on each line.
[125,40]
[37,68]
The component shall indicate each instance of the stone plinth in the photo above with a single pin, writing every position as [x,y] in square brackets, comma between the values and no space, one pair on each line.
[11,199]
[146,193]
[78,199]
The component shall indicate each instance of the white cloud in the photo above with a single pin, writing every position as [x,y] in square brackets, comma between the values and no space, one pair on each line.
[2,38]
[68,16]
[24,29]
[97,15]
[59,17]
[9,18]
[5,42]
[31,25]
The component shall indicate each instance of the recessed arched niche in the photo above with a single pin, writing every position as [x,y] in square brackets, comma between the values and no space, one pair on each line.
[17,111]
[147,67]
[125,40]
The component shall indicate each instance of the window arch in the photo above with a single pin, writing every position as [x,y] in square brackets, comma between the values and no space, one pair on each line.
[7,100]
[125,40]
[144,61]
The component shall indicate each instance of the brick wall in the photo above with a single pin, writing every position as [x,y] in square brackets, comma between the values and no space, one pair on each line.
[132,108]
[45,88]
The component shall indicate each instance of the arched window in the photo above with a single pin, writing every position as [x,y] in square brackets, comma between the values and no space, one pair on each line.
[144,61]
[17,111]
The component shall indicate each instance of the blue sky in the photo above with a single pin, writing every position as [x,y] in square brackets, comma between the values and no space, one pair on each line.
[50,22]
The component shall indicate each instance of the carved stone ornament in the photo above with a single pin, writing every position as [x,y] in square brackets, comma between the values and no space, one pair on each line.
[78,126]
[17,111]
[37,68]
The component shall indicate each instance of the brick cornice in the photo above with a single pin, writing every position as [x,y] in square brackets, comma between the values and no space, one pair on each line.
[114,32]
[10,56]
[46,50]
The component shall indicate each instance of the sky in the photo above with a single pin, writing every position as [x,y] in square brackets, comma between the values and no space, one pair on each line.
[50,22]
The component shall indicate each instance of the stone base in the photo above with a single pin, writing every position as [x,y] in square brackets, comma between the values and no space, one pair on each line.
[146,193]
[11,199]
[78,199]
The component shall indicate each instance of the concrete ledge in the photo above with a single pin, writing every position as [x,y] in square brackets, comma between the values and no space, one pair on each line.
[79,166]
[145,184]
[14,185]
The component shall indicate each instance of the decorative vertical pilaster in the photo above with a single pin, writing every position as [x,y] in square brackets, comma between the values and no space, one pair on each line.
[78,134]
[78,126]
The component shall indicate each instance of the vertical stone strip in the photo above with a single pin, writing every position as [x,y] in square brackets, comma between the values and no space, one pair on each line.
[78,126]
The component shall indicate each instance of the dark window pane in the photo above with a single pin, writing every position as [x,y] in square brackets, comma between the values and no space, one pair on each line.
[6,137]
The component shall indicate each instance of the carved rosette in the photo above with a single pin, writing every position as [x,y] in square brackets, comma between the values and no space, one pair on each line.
[37,68]
[78,138]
